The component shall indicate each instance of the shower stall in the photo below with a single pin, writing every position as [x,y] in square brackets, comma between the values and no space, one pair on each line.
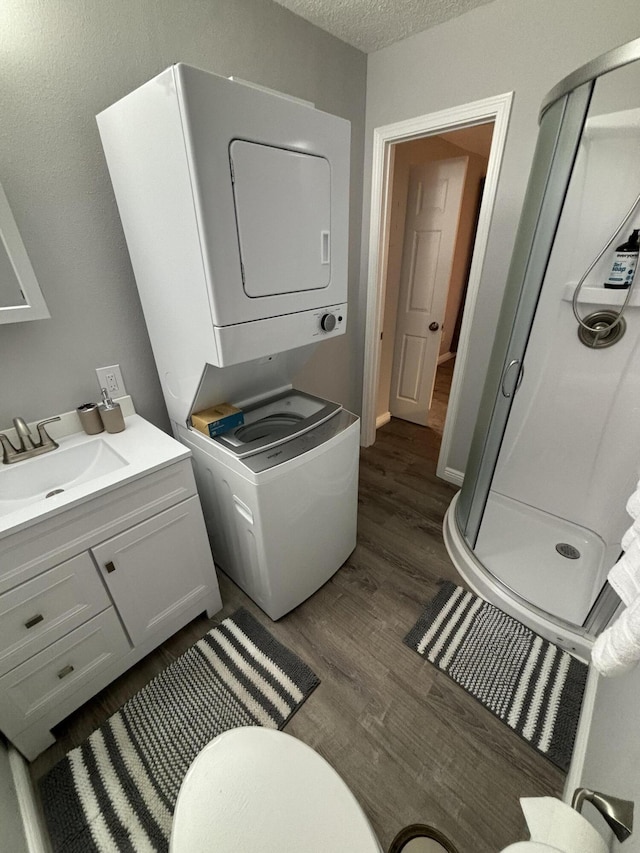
[556,448]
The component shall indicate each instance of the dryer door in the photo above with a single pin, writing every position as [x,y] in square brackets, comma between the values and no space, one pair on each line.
[283,215]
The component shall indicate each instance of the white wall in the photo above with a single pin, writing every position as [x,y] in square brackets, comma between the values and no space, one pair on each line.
[504,46]
[12,836]
[63,62]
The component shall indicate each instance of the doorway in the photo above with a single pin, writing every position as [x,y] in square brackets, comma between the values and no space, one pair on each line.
[435,186]
[452,132]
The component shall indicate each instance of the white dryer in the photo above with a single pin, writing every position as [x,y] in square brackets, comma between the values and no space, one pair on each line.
[235,205]
[280,496]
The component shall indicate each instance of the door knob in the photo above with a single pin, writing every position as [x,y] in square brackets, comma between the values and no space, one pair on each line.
[434,326]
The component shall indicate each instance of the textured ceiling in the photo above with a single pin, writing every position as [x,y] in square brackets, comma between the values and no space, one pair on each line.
[372,24]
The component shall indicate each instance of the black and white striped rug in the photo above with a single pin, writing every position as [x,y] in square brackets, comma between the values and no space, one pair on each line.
[531,685]
[117,790]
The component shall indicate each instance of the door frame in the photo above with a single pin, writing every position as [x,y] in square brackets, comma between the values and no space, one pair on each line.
[496,109]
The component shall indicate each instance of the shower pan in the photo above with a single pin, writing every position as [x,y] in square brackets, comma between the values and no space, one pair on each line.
[556,448]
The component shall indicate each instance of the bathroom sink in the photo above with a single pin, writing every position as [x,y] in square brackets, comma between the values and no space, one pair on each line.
[82,468]
[33,480]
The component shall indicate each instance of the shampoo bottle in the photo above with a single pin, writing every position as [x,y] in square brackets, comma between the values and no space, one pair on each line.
[111,414]
[624,263]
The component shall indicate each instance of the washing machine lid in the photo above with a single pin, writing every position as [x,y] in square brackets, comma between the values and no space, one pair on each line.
[258,789]
[276,420]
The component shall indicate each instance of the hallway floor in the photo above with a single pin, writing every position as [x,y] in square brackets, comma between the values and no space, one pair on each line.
[440,400]
[411,744]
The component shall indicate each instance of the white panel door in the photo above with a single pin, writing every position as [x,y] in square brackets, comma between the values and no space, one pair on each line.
[431,229]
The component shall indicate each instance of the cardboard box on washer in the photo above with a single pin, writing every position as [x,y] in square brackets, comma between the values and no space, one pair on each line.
[217,419]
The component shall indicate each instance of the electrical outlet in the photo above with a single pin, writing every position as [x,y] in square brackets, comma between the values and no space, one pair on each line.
[111,378]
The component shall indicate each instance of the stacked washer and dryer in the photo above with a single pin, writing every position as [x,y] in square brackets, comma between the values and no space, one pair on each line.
[234,203]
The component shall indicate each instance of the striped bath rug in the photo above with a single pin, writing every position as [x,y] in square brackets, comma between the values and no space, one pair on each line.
[117,790]
[534,687]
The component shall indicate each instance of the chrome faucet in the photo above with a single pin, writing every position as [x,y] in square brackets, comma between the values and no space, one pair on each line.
[617,813]
[27,447]
[24,435]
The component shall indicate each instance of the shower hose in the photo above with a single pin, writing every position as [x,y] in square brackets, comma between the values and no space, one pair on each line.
[576,293]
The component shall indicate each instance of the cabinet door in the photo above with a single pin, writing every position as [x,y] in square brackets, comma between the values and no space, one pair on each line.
[158,568]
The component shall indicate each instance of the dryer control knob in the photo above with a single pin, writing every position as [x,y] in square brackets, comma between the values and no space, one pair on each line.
[328,322]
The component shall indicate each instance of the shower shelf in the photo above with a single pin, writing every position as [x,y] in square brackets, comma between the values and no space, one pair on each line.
[601,295]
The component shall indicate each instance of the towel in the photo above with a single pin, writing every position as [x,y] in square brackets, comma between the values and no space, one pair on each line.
[624,577]
[632,534]
[617,650]
[633,504]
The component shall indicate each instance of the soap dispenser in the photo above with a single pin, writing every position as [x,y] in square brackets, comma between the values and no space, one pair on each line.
[111,414]
[624,263]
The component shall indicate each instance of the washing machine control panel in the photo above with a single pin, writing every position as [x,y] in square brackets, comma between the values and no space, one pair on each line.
[332,319]
[328,322]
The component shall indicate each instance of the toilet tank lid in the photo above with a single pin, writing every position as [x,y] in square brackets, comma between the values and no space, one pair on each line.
[258,789]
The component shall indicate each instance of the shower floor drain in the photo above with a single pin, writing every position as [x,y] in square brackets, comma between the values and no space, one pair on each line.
[568,551]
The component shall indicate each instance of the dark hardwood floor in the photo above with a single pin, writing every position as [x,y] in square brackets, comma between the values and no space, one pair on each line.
[411,744]
[441,389]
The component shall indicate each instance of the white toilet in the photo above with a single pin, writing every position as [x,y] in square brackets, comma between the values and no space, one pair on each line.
[255,789]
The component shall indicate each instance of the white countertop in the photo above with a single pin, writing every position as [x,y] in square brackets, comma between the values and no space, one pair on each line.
[142,447]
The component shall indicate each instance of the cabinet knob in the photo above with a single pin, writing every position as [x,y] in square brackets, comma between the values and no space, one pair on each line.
[66,671]
[33,621]
[110,567]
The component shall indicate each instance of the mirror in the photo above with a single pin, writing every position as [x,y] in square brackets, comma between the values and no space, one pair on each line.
[20,295]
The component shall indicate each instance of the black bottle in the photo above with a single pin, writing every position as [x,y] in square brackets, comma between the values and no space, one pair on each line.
[624,263]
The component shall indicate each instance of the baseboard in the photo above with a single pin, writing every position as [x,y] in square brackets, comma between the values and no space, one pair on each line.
[451,475]
[446,356]
[381,420]
[35,833]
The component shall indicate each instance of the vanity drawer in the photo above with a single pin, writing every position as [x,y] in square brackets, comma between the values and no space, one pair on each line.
[28,690]
[40,611]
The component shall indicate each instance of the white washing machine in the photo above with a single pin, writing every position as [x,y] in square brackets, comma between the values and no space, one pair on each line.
[280,496]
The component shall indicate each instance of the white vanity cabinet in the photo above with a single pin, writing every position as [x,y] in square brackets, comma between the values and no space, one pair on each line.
[87,591]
